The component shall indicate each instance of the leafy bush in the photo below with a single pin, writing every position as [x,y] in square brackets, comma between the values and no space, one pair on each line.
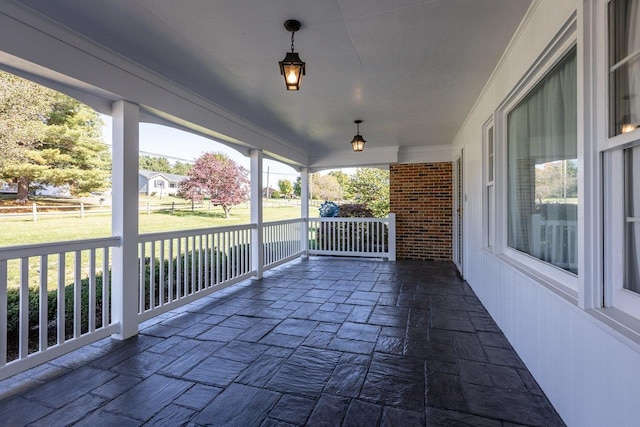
[13,313]
[328,210]
[354,210]
[275,194]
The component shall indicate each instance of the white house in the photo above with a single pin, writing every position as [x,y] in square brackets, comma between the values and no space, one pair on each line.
[507,94]
[158,183]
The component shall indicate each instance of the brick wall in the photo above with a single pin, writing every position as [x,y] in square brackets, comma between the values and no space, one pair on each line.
[421,198]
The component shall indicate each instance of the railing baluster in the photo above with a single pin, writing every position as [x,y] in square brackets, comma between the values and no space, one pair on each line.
[234,250]
[161,264]
[243,239]
[62,315]
[206,261]
[226,244]
[106,302]
[223,237]
[185,284]
[44,304]
[77,295]
[142,279]
[92,291]
[200,263]
[354,233]
[325,236]
[24,308]
[152,275]
[171,272]
[375,236]
[178,266]
[247,254]
[194,260]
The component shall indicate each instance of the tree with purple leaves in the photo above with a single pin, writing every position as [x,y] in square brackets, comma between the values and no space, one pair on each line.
[216,176]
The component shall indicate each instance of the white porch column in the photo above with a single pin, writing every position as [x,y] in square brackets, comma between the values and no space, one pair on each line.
[304,210]
[391,237]
[257,256]
[124,222]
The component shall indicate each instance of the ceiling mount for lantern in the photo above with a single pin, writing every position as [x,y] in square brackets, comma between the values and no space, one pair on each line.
[292,67]
[357,143]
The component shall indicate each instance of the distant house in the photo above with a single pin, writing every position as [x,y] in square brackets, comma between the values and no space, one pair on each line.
[267,192]
[158,183]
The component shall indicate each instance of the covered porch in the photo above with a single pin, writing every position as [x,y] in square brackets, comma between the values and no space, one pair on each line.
[319,341]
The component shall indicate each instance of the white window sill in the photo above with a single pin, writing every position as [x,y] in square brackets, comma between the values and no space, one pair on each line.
[546,281]
[618,324]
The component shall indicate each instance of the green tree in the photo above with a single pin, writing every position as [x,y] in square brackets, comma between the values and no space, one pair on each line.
[155,164]
[343,181]
[324,187]
[370,187]
[556,180]
[297,187]
[219,177]
[180,168]
[48,138]
[286,188]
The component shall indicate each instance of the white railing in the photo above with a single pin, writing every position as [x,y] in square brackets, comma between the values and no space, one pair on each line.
[281,241]
[555,241]
[355,237]
[68,280]
[182,266]
[51,300]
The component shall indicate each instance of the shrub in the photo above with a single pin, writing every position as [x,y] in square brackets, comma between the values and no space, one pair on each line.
[275,194]
[354,210]
[217,263]
[328,210]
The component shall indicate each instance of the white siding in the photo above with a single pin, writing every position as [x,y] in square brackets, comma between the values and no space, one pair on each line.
[589,371]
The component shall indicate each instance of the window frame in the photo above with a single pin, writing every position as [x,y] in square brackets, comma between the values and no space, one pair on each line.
[611,149]
[631,57]
[564,281]
[488,186]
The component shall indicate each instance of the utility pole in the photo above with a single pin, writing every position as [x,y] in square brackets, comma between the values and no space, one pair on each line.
[268,191]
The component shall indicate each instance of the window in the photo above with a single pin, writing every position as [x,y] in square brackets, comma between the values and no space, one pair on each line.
[624,66]
[489,189]
[621,155]
[172,185]
[632,219]
[542,187]
[158,183]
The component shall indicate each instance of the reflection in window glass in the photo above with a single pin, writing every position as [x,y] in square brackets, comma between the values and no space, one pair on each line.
[542,169]
[632,220]
[624,66]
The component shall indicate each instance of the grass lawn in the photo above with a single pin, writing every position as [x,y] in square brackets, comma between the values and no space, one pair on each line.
[23,230]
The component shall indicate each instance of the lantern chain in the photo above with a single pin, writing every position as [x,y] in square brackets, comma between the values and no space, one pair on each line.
[292,33]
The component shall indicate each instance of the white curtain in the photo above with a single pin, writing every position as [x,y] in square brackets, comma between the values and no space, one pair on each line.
[542,128]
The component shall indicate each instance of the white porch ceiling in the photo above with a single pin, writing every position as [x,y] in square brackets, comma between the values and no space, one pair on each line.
[410,69]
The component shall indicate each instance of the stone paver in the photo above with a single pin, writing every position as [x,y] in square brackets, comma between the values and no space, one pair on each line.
[322,341]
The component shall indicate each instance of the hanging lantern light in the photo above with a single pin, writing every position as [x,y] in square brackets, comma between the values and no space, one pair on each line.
[292,67]
[357,143]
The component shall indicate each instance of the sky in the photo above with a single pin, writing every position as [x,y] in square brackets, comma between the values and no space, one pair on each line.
[177,145]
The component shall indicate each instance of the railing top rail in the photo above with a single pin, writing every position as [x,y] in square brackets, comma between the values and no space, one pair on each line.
[38,249]
[148,237]
[335,219]
[284,221]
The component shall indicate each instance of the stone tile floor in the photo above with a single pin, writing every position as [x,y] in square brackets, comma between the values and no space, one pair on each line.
[324,341]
